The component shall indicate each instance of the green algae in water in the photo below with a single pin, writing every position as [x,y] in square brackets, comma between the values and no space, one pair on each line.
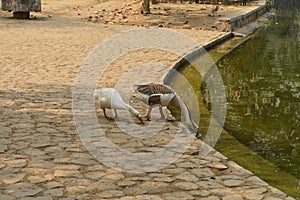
[261,167]
[234,149]
[262,77]
[262,80]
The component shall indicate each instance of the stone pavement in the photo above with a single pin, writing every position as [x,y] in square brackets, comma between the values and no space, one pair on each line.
[43,157]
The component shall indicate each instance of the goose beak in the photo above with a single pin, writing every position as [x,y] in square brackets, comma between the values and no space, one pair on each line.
[194,128]
[198,134]
[140,118]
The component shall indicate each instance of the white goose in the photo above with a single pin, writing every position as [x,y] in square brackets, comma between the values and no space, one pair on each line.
[111,98]
[163,95]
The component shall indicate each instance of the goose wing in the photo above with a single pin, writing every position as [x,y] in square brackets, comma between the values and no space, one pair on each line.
[154,99]
[151,89]
[153,94]
[109,98]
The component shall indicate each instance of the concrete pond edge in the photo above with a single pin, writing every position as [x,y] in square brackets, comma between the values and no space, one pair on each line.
[248,23]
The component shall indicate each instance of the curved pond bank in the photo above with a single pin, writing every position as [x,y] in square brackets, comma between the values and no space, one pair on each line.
[239,152]
[272,119]
[229,145]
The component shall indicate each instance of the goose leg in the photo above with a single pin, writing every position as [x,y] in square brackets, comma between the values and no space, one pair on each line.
[148,117]
[116,115]
[109,118]
[162,115]
[104,113]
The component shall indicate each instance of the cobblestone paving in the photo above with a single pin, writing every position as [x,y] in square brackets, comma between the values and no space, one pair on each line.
[42,156]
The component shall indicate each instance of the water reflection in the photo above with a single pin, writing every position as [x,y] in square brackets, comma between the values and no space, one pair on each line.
[262,79]
[262,83]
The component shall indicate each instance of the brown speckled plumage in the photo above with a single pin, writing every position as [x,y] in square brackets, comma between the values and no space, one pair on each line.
[153,88]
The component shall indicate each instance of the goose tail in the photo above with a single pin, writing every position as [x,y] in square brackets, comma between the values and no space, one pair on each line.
[136,87]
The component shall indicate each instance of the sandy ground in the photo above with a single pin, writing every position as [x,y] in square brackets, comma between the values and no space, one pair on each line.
[60,35]
[127,12]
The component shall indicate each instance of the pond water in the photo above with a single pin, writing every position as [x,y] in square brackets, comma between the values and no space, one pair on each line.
[262,84]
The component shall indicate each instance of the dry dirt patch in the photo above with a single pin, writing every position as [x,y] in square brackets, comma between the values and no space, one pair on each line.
[127,12]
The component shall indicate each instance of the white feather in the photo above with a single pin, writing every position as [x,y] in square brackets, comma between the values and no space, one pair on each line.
[111,98]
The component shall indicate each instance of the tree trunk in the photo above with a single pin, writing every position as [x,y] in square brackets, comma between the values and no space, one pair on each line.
[146,7]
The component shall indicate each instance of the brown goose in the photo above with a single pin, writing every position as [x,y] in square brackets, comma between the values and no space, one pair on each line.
[163,95]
